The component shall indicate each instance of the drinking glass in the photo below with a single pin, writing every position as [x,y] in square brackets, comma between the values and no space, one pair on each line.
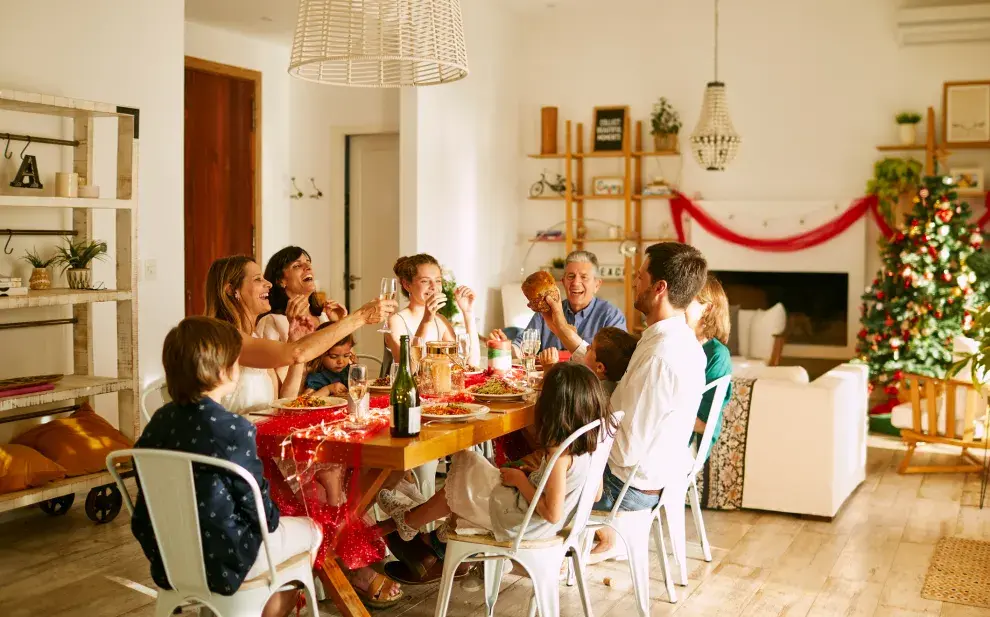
[530,347]
[357,388]
[387,293]
[464,347]
[417,350]
[392,370]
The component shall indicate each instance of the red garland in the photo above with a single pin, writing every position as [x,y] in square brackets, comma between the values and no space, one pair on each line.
[680,204]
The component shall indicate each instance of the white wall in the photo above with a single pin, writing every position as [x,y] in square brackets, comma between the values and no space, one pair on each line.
[467,153]
[115,51]
[812,89]
[320,119]
[271,60]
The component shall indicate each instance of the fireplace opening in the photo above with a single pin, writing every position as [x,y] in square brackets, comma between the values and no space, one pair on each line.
[815,302]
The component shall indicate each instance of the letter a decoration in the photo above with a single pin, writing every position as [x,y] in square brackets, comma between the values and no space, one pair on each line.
[27,175]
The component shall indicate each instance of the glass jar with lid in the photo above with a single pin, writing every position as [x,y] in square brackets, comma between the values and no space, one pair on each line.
[436,371]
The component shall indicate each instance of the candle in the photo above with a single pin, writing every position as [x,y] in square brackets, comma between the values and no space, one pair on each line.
[66,184]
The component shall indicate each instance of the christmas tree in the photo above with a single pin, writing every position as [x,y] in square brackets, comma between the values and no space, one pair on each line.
[925,294]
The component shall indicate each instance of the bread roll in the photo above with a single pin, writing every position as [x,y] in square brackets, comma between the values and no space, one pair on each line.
[537,288]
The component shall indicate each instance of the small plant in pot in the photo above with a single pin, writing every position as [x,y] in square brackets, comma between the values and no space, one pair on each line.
[907,123]
[665,124]
[557,267]
[75,259]
[40,277]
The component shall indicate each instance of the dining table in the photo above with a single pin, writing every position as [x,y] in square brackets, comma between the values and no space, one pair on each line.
[380,455]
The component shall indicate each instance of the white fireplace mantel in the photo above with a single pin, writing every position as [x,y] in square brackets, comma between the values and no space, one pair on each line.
[846,253]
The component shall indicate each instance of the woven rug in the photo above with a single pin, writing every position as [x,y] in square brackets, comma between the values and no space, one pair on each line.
[959,573]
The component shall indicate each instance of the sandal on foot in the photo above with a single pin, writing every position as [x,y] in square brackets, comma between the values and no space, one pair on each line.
[418,564]
[377,593]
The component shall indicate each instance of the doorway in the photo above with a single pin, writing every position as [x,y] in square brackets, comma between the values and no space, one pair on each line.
[371,218]
[222,183]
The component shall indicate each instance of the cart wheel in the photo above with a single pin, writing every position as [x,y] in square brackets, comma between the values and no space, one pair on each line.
[103,504]
[536,190]
[57,506]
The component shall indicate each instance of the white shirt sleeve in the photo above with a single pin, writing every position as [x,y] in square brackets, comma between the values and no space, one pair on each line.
[644,394]
[579,353]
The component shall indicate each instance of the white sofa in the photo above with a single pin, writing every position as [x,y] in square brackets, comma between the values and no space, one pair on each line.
[806,444]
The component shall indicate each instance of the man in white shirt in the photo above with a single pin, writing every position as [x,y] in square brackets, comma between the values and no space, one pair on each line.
[662,387]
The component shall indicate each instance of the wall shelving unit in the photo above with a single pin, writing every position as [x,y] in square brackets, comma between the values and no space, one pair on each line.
[83,384]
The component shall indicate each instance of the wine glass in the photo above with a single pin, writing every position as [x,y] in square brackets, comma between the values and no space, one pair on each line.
[417,349]
[530,347]
[357,387]
[464,348]
[387,293]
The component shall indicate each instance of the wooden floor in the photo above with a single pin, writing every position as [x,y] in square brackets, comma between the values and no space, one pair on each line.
[870,561]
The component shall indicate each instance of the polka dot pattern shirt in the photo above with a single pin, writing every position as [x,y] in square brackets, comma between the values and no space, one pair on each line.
[227,517]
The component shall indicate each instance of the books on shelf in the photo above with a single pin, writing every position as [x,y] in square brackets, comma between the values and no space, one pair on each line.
[11,286]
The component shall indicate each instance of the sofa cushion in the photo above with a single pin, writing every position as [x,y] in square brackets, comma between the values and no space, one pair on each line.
[750,369]
[764,326]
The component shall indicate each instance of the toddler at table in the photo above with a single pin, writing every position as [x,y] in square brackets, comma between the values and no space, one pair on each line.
[200,361]
[480,498]
[327,375]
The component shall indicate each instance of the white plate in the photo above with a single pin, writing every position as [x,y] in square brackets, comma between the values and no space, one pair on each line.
[329,402]
[500,397]
[476,411]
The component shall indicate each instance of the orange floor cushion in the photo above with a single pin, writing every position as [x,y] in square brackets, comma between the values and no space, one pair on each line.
[22,467]
[79,443]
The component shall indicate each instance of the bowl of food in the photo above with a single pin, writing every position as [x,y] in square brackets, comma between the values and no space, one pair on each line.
[308,402]
[453,412]
[498,389]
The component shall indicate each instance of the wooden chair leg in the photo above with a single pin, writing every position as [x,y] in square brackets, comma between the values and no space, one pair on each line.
[906,462]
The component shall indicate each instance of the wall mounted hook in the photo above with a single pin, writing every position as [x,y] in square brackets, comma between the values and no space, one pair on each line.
[296,194]
[6,151]
[25,147]
[318,194]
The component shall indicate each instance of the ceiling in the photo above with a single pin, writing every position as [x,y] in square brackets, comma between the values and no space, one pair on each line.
[273,20]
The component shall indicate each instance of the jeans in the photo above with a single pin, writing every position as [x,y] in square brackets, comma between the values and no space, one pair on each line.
[634,499]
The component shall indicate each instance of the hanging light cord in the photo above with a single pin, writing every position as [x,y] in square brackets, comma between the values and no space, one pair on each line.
[716,40]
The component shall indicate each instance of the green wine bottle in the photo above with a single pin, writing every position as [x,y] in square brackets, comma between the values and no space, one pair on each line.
[404,398]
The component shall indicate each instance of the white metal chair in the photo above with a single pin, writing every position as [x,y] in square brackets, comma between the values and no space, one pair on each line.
[166,480]
[540,558]
[634,527]
[375,359]
[157,387]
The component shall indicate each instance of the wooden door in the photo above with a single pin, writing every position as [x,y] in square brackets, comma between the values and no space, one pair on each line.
[220,169]
[373,223]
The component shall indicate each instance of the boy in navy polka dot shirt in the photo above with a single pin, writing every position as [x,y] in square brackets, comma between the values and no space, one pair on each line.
[200,361]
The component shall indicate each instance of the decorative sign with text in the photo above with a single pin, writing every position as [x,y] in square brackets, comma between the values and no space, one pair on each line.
[610,129]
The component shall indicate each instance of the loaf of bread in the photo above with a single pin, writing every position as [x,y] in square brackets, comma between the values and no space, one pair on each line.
[537,288]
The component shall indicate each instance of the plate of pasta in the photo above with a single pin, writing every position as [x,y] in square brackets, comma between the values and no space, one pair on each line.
[382,385]
[498,389]
[309,403]
[453,411]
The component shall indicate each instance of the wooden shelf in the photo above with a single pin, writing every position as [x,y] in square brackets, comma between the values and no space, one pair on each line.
[898,148]
[658,153]
[547,156]
[599,240]
[71,387]
[644,197]
[18,201]
[546,198]
[30,102]
[599,198]
[51,490]
[63,297]
[548,240]
[599,155]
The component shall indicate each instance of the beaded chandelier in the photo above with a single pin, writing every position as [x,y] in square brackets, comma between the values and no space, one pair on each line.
[379,43]
[714,141]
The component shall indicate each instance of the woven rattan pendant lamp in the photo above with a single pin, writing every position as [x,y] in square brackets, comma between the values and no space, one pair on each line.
[714,141]
[379,43]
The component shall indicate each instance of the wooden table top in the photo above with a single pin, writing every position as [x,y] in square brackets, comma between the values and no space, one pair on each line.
[436,440]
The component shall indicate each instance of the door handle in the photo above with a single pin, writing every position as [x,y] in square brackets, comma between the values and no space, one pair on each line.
[353,278]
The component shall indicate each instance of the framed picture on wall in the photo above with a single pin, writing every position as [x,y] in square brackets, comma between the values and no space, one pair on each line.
[968,181]
[966,113]
[608,185]
[609,129]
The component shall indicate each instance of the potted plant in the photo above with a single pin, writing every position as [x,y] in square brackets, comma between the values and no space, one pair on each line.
[76,258]
[665,125]
[907,122]
[895,182]
[557,268]
[40,277]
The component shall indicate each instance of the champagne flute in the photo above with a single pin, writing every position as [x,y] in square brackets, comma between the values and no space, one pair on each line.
[530,347]
[387,293]
[417,349]
[464,348]
[357,387]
